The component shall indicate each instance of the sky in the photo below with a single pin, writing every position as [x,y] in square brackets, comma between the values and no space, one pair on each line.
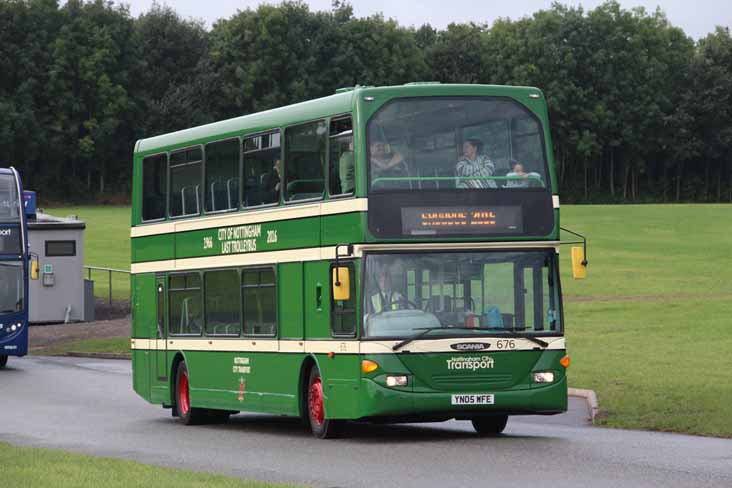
[696,17]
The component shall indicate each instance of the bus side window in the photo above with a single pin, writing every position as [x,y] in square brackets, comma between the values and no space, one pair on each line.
[222,175]
[262,169]
[185,182]
[184,302]
[223,316]
[341,161]
[259,302]
[305,160]
[154,187]
[343,312]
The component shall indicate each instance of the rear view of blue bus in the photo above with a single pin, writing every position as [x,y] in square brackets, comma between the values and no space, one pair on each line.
[13,268]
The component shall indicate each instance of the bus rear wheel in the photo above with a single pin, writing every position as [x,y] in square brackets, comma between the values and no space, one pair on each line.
[490,426]
[3,360]
[321,427]
[186,414]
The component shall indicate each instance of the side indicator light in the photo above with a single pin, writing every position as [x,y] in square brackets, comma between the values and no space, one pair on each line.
[564,361]
[331,354]
[368,366]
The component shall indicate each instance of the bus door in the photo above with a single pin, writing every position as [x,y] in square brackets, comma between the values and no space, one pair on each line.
[159,368]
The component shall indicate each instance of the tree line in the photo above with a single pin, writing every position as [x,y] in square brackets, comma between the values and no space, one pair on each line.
[639,111]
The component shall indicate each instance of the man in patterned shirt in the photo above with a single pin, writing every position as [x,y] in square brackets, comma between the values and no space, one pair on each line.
[475,164]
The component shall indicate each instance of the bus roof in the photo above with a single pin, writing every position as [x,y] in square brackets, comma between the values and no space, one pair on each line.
[299,112]
[341,102]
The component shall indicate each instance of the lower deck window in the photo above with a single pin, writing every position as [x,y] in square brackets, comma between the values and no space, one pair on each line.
[185,313]
[259,302]
[222,303]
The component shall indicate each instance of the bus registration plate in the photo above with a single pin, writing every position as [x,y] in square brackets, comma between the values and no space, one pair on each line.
[481,399]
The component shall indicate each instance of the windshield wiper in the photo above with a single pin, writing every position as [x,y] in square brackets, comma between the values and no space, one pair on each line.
[418,335]
[427,330]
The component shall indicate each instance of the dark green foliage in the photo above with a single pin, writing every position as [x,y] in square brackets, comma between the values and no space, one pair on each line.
[639,111]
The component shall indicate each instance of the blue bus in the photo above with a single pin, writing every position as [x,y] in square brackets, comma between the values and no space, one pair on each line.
[13,268]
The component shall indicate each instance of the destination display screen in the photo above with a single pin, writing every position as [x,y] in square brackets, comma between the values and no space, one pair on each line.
[463,220]
[9,240]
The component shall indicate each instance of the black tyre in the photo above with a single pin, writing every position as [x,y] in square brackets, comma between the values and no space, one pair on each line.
[490,426]
[186,414]
[3,360]
[320,426]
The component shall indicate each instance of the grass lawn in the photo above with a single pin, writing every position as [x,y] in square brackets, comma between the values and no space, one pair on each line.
[116,345]
[42,467]
[106,244]
[649,329]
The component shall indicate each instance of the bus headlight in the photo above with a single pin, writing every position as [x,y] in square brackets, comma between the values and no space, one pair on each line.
[13,327]
[396,381]
[544,377]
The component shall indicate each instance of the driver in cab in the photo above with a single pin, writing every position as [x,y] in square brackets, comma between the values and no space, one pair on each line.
[385,297]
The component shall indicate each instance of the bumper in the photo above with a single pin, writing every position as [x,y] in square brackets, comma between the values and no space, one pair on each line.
[380,401]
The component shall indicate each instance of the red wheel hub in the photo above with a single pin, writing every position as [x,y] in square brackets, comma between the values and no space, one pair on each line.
[315,399]
[184,403]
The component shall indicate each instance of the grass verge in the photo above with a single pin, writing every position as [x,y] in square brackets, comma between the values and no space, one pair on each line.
[114,345]
[24,466]
[648,330]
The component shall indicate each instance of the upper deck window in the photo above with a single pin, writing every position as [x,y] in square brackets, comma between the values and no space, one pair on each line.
[341,177]
[9,208]
[455,143]
[222,175]
[304,160]
[262,169]
[154,186]
[185,182]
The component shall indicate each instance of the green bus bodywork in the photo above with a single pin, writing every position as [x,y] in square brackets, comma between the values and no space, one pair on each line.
[270,373]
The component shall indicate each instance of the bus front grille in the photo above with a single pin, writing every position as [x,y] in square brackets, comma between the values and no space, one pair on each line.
[455,382]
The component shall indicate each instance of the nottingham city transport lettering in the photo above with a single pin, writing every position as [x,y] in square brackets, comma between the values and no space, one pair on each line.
[241,366]
[470,363]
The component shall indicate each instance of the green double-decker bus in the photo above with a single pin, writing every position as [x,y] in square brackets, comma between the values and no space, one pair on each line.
[384,254]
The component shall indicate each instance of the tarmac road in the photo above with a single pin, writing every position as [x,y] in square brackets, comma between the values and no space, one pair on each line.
[88,406]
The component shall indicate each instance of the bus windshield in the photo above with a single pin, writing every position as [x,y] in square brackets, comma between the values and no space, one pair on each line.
[455,143]
[9,205]
[11,287]
[477,292]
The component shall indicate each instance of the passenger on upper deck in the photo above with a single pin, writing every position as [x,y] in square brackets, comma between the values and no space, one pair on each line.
[385,164]
[346,168]
[475,164]
[271,182]
[520,178]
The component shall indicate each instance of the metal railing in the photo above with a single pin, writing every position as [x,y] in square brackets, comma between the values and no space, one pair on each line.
[89,270]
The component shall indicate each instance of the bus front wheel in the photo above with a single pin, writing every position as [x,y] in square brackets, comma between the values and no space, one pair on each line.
[3,360]
[186,414]
[490,426]
[321,427]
